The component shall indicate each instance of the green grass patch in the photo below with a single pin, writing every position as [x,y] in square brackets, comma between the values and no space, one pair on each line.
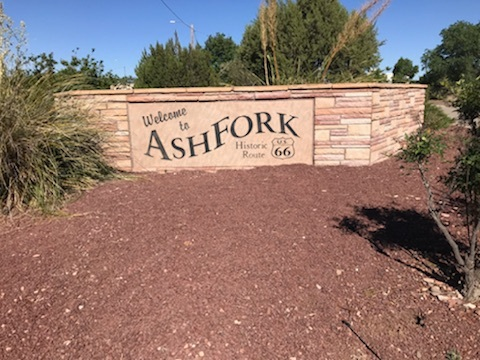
[435,118]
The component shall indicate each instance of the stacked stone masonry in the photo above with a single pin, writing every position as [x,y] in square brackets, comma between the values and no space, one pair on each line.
[354,124]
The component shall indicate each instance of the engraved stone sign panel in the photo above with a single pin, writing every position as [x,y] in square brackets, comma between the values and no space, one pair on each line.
[174,135]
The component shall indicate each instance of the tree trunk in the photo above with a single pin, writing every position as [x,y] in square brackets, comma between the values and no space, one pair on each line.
[472,285]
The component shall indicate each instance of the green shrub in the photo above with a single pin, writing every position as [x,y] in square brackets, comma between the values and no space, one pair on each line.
[468,101]
[48,148]
[435,118]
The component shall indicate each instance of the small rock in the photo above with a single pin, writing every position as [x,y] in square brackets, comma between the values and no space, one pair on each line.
[443,297]
[452,303]
[435,290]
[340,272]
[237,322]
[429,280]
[469,306]
[318,287]
[445,215]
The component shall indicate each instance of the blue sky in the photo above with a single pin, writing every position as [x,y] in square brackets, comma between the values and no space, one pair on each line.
[120,30]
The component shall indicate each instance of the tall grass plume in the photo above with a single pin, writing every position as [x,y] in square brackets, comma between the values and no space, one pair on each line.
[48,147]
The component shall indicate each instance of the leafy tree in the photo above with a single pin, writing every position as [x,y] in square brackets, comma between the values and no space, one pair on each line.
[250,51]
[43,64]
[159,66]
[356,26]
[457,57]
[306,33]
[293,57]
[222,49]
[463,179]
[404,71]
[91,69]
[196,69]
[171,65]
[88,72]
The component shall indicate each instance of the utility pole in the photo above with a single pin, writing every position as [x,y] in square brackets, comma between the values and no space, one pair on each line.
[192,33]
[192,37]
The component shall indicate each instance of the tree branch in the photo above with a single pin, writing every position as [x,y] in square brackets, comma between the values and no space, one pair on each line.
[436,218]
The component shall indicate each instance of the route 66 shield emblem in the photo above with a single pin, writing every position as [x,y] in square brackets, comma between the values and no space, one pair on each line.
[282,148]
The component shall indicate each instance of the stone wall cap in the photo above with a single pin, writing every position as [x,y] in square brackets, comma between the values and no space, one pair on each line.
[240,89]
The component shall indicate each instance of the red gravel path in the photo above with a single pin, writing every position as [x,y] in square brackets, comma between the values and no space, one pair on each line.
[271,263]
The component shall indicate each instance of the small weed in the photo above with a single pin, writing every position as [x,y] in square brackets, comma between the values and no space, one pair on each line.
[420,319]
[453,355]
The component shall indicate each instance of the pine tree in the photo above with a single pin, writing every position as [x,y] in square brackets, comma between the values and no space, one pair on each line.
[307,30]
[172,65]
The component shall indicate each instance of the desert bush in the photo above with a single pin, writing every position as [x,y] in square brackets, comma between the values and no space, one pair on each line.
[48,149]
[462,181]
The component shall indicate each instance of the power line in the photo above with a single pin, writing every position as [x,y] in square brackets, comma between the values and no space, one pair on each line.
[175,14]
[192,29]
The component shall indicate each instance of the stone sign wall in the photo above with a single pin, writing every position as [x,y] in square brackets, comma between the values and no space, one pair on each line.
[244,127]
[171,135]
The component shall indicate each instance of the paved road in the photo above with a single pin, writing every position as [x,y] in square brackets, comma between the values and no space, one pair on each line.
[447,108]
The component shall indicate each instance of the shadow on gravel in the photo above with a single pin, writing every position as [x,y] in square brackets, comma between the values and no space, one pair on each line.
[390,230]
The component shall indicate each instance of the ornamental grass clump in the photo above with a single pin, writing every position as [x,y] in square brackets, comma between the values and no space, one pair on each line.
[48,148]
